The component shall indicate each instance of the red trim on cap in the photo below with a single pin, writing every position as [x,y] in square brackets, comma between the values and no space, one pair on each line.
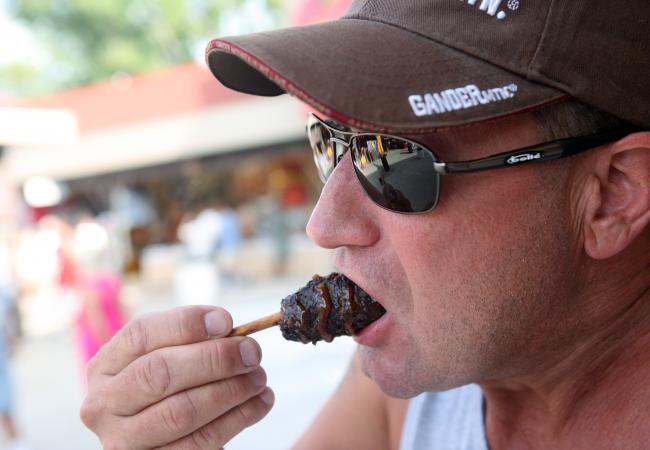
[293,89]
[278,79]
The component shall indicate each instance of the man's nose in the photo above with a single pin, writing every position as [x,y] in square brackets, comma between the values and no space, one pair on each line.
[344,215]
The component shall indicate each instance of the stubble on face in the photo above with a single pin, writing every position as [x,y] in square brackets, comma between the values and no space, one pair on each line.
[489,289]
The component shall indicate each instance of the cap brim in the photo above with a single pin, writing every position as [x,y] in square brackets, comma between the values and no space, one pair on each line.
[374,76]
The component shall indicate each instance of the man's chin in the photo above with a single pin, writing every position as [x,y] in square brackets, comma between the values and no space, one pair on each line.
[389,374]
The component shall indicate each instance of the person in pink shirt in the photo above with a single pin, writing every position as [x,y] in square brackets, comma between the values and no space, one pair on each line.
[99,289]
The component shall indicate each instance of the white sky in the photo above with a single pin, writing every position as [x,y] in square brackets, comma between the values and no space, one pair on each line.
[16,43]
[253,16]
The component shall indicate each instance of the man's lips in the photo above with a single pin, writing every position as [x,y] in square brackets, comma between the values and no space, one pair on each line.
[372,295]
[376,332]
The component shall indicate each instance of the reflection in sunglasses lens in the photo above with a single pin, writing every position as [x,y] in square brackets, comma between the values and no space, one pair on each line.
[397,174]
[319,138]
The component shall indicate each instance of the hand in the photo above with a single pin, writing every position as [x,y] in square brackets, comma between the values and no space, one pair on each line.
[162,383]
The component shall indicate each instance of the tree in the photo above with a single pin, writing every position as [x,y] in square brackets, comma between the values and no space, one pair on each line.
[92,41]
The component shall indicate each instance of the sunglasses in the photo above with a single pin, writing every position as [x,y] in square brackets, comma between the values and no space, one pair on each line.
[403,176]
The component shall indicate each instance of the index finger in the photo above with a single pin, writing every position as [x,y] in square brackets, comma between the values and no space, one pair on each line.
[150,332]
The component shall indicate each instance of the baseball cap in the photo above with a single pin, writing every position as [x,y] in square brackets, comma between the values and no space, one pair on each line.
[413,66]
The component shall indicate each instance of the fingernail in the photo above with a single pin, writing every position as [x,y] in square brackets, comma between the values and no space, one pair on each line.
[258,377]
[250,352]
[267,396]
[216,323]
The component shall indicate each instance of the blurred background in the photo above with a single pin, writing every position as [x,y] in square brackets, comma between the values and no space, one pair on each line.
[130,182]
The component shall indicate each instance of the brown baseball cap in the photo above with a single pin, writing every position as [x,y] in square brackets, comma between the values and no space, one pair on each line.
[411,66]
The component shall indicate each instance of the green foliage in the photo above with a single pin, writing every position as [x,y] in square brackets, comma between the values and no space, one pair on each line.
[22,78]
[92,40]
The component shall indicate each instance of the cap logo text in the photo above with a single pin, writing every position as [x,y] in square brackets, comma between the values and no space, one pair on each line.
[465,97]
[492,7]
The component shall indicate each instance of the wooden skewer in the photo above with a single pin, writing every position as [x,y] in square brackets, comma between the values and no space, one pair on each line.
[257,325]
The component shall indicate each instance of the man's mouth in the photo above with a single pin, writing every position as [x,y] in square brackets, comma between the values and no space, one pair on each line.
[375,332]
[373,310]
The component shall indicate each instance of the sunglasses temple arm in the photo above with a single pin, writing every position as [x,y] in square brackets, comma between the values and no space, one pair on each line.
[573,146]
[538,153]
[544,152]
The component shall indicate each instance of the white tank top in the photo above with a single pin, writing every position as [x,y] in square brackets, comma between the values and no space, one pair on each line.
[450,420]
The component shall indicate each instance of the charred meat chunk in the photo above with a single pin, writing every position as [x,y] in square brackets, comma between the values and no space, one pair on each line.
[325,308]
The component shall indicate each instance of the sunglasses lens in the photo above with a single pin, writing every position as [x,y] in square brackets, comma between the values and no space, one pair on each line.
[397,174]
[324,150]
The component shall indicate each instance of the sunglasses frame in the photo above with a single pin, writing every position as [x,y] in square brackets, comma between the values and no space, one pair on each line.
[547,151]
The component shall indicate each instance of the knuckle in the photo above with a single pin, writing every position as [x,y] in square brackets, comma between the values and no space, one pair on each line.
[113,397]
[116,443]
[154,375]
[205,437]
[180,418]
[218,358]
[92,368]
[189,325]
[90,412]
[136,337]
[113,444]
[234,389]
[112,404]
[253,411]
[245,414]
[111,441]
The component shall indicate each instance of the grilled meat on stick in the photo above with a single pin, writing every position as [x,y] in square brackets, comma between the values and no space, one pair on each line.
[325,308]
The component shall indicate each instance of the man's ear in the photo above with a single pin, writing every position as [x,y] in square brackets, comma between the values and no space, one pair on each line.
[618,196]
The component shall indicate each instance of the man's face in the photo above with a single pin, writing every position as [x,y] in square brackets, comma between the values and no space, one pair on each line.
[478,288]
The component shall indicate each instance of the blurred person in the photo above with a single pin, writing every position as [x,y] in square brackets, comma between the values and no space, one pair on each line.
[9,336]
[67,270]
[8,342]
[10,292]
[46,275]
[229,243]
[98,286]
[132,215]
[199,234]
[38,254]
[275,223]
[516,278]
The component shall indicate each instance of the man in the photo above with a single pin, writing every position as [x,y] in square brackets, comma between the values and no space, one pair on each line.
[517,298]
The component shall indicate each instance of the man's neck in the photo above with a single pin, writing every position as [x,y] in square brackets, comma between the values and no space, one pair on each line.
[595,397]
